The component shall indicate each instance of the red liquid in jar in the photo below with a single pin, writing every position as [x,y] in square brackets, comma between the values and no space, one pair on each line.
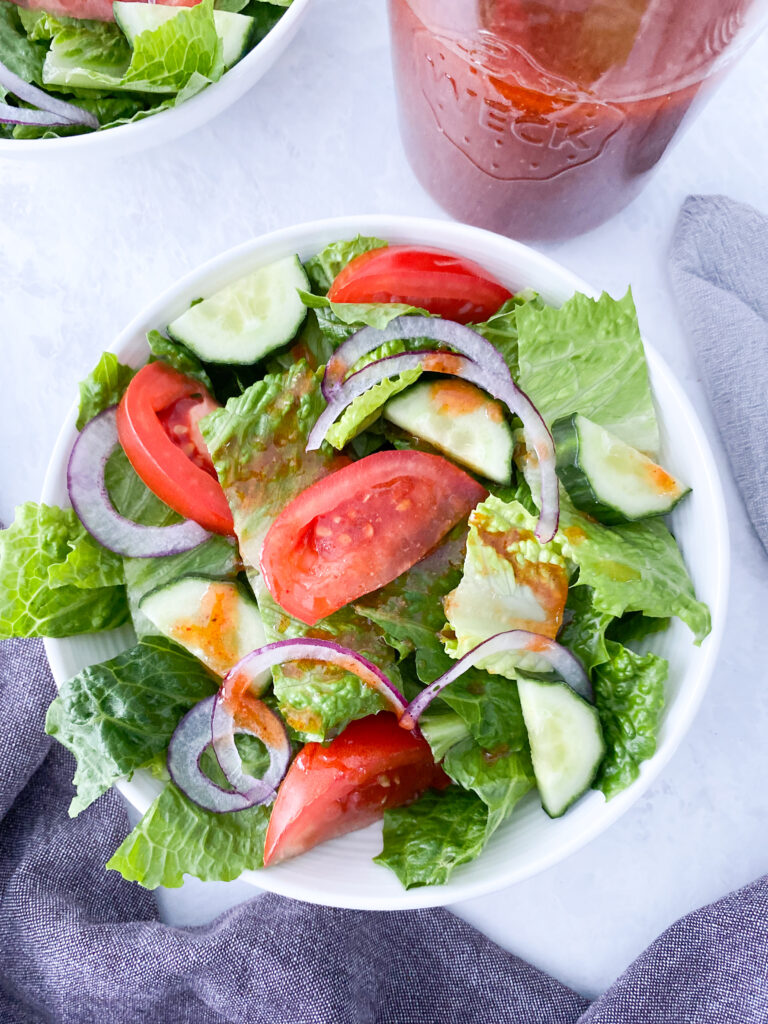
[541,118]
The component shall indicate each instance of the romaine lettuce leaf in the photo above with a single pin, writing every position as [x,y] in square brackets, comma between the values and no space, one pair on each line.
[501,328]
[92,52]
[178,356]
[425,841]
[55,580]
[176,837]
[629,695]
[632,567]
[510,581]
[366,408]
[166,58]
[584,628]
[323,268]
[499,778]
[588,357]
[316,700]
[20,54]
[118,716]
[257,444]
[104,386]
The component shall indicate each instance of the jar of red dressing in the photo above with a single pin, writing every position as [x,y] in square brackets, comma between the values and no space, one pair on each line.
[543,118]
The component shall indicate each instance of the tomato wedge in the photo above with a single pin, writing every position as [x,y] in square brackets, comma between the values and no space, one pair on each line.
[360,527]
[449,286]
[328,791]
[157,423]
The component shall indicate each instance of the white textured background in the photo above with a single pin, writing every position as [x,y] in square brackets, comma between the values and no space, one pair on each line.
[83,247]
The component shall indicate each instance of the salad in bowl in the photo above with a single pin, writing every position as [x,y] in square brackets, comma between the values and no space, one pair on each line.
[75,67]
[380,537]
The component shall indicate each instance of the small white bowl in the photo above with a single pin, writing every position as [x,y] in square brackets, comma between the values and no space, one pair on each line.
[341,873]
[169,124]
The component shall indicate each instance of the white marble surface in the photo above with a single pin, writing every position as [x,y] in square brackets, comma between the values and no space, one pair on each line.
[82,247]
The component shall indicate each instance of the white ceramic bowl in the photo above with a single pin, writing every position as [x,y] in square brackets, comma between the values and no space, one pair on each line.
[169,124]
[341,873]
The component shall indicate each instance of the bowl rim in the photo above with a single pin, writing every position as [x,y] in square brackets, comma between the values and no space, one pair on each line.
[193,113]
[679,713]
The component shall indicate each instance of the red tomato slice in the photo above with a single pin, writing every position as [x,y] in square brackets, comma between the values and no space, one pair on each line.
[157,423]
[331,790]
[360,527]
[450,286]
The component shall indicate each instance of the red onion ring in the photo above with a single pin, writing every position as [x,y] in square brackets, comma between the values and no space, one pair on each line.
[90,500]
[563,661]
[189,741]
[500,387]
[66,113]
[403,328]
[238,680]
[252,717]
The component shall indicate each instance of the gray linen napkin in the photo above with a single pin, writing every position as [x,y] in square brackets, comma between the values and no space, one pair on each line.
[719,268]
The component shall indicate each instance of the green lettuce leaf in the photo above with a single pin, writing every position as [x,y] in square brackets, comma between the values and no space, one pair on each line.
[91,51]
[323,268]
[629,695]
[176,837]
[257,444]
[510,581]
[178,356]
[501,328]
[104,386]
[588,357]
[500,779]
[425,841]
[118,716]
[316,700]
[632,567]
[168,56]
[55,580]
[584,628]
[20,54]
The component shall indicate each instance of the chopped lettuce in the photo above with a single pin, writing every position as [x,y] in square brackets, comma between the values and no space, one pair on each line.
[510,581]
[323,268]
[317,700]
[425,841]
[501,328]
[166,58]
[629,695]
[588,357]
[632,567]
[584,628]
[19,53]
[367,407]
[55,580]
[178,356]
[176,837]
[104,386]
[499,778]
[257,444]
[118,716]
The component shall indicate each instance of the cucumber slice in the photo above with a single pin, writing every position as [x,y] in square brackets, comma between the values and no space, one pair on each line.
[247,319]
[234,30]
[566,741]
[607,478]
[216,620]
[460,420]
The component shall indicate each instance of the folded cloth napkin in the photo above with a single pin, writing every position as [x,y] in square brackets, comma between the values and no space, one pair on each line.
[719,268]
[80,945]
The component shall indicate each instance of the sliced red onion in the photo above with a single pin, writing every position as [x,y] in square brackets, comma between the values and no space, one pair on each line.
[252,717]
[404,328]
[501,387]
[63,112]
[90,500]
[189,741]
[238,680]
[563,661]
[25,115]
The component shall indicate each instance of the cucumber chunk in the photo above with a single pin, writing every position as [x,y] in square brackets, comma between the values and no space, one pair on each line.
[216,620]
[460,420]
[234,30]
[566,741]
[247,319]
[607,478]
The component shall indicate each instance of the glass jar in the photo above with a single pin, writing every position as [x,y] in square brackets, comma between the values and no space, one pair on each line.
[542,118]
